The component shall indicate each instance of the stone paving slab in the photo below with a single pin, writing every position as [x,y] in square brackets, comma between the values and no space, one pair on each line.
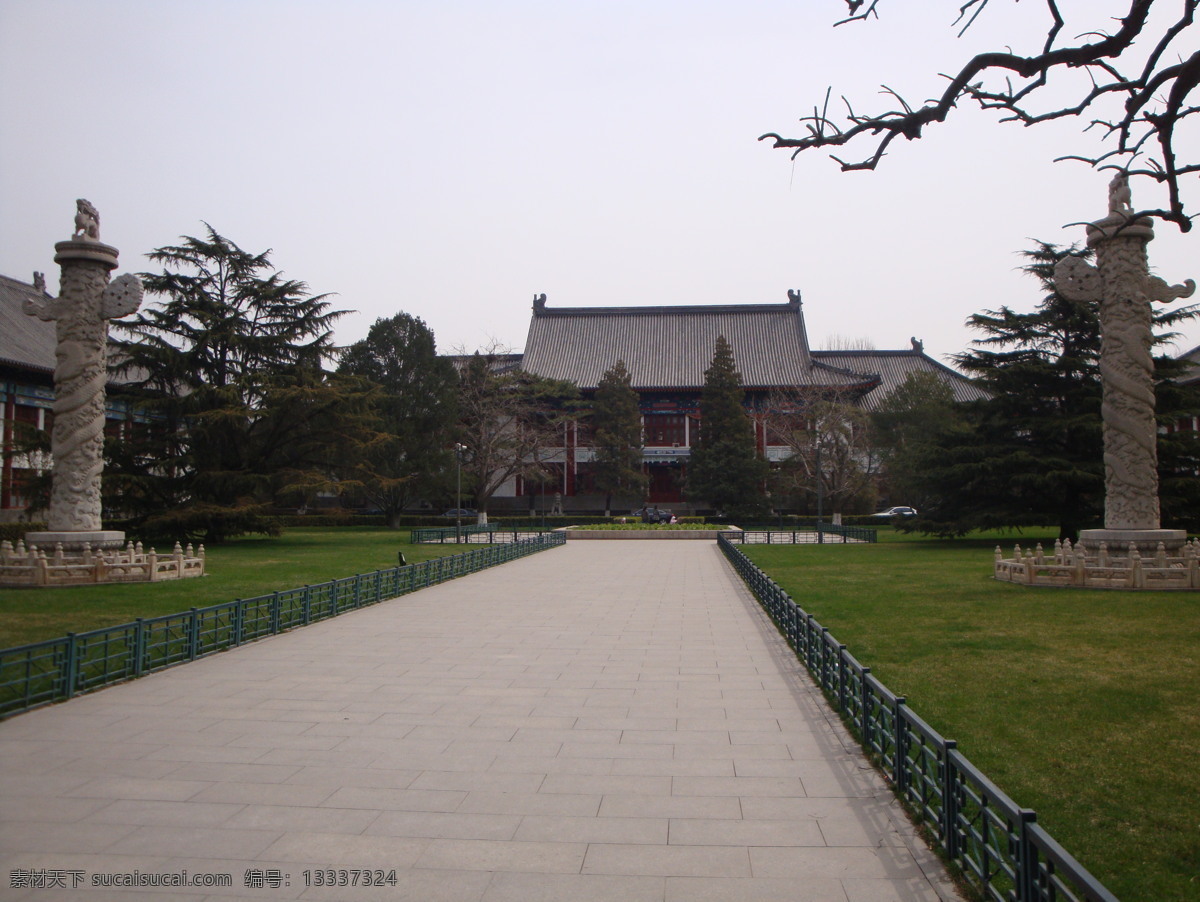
[604,721]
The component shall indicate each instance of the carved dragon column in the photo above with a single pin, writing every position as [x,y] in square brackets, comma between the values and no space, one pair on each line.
[1122,284]
[85,303]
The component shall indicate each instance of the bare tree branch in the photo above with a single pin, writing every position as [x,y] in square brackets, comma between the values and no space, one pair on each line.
[1150,102]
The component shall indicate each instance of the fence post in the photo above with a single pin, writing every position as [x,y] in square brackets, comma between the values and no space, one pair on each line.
[1026,859]
[900,746]
[950,802]
[841,678]
[193,634]
[70,667]
[864,708]
[139,647]
[276,614]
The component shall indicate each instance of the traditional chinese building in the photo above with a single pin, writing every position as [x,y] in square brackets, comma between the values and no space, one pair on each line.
[666,351]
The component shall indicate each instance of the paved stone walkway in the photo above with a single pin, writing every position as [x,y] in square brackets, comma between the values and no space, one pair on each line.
[604,721]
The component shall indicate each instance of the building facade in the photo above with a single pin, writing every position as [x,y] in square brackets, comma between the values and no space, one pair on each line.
[666,350]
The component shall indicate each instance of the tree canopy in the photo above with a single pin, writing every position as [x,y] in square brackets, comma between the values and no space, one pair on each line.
[235,409]
[1032,453]
[1138,92]
[416,408]
[725,469]
[617,436]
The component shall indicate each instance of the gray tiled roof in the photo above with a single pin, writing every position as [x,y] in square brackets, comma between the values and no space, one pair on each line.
[1192,373]
[25,341]
[893,367]
[671,347]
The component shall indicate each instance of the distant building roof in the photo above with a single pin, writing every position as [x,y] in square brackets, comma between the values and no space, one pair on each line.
[671,347]
[1192,373]
[26,342]
[498,363]
[893,367]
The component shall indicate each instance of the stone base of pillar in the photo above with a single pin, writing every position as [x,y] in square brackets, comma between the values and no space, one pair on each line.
[1145,540]
[76,540]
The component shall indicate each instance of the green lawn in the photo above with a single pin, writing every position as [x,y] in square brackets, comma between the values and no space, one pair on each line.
[243,568]
[1081,704]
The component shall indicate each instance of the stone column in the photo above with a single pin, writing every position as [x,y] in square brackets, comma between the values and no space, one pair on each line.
[85,303]
[1122,285]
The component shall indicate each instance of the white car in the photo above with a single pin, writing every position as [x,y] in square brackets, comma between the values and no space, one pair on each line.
[897,512]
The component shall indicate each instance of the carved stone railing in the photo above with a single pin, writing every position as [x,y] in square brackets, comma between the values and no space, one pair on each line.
[22,565]
[1075,566]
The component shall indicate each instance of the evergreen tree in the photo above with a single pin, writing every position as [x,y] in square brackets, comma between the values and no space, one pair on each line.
[906,421]
[417,413]
[617,436]
[1033,452]
[227,371]
[725,469]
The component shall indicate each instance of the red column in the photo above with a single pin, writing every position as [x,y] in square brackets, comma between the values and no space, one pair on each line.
[10,417]
[569,468]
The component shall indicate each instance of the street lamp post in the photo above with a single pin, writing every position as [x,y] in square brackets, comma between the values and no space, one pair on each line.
[820,493]
[459,448]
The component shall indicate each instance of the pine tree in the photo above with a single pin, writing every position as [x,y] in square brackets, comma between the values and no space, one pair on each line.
[1032,453]
[617,436]
[417,413]
[228,373]
[725,469]
[910,416]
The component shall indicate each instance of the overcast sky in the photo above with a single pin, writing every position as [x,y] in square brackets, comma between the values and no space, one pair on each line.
[451,158]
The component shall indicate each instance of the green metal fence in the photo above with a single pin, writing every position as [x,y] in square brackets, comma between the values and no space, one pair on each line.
[474,534]
[997,844]
[820,534]
[55,670]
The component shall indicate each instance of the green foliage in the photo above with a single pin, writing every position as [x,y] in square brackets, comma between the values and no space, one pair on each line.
[240,568]
[725,469]
[233,408]
[1033,451]
[1078,703]
[908,419]
[13,532]
[617,436]
[416,408]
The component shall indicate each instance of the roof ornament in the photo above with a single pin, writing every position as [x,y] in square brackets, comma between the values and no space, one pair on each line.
[794,297]
[917,345]
[39,282]
[539,303]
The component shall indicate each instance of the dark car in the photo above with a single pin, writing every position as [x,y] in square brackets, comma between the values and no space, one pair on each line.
[459,512]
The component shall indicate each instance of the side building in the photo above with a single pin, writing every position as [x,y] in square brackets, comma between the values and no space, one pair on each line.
[27,353]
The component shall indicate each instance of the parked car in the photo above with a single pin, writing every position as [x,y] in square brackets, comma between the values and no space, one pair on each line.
[459,512]
[897,512]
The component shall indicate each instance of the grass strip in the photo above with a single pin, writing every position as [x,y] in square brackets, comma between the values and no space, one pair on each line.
[241,568]
[1081,704]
